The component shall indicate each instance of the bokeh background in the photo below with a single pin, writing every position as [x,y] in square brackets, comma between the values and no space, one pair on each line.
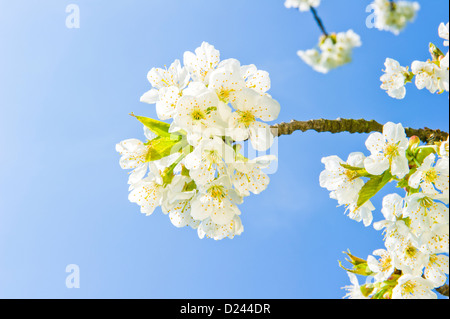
[65,96]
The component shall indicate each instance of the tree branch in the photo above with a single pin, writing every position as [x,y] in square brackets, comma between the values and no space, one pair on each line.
[319,21]
[339,125]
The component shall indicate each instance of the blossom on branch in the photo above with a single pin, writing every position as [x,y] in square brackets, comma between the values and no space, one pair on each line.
[302,5]
[394,16]
[333,51]
[432,74]
[194,167]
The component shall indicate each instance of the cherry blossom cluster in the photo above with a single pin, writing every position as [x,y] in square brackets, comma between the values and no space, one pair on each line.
[432,74]
[302,5]
[416,222]
[194,166]
[394,16]
[333,51]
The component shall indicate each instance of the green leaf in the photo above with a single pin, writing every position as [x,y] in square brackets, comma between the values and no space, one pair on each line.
[354,260]
[380,294]
[361,269]
[435,52]
[372,187]
[188,187]
[361,171]
[423,152]
[162,147]
[157,127]
[366,290]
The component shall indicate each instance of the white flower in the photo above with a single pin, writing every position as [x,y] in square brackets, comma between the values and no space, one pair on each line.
[133,156]
[334,50]
[148,192]
[444,73]
[432,178]
[354,290]
[435,241]
[227,80]
[200,64]
[394,16]
[397,233]
[216,200]
[313,58]
[393,205]
[212,105]
[167,88]
[394,79]
[388,151]
[256,79]
[443,33]
[343,182]
[247,175]
[444,149]
[430,76]
[408,258]
[345,185]
[437,269]
[384,267]
[210,229]
[302,5]
[425,212]
[177,202]
[244,123]
[363,213]
[197,113]
[208,159]
[413,287]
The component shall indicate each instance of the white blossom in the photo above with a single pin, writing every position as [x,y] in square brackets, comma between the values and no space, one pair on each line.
[394,79]
[199,177]
[394,16]
[443,149]
[444,33]
[425,212]
[363,213]
[432,176]
[354,290]
[209,160]
[388,151]
[383,267]
[177,202]
[216,200]
[248,122]
[429,75]
[343,182]
[147,193]
[413,287]
[167,87]
[200,64]
[248,176]
[215,231]
[333,51]
[302,5]
[437,270]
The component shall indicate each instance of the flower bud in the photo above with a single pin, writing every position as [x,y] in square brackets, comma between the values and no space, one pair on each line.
[435,52]
[414,142]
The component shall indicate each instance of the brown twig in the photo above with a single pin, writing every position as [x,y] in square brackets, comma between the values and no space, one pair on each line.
[319,21]
[339,125]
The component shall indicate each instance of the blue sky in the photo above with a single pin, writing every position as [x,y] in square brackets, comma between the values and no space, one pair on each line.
[65,99]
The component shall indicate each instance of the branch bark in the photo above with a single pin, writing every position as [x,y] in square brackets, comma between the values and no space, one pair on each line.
[339,125]
[319,21]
